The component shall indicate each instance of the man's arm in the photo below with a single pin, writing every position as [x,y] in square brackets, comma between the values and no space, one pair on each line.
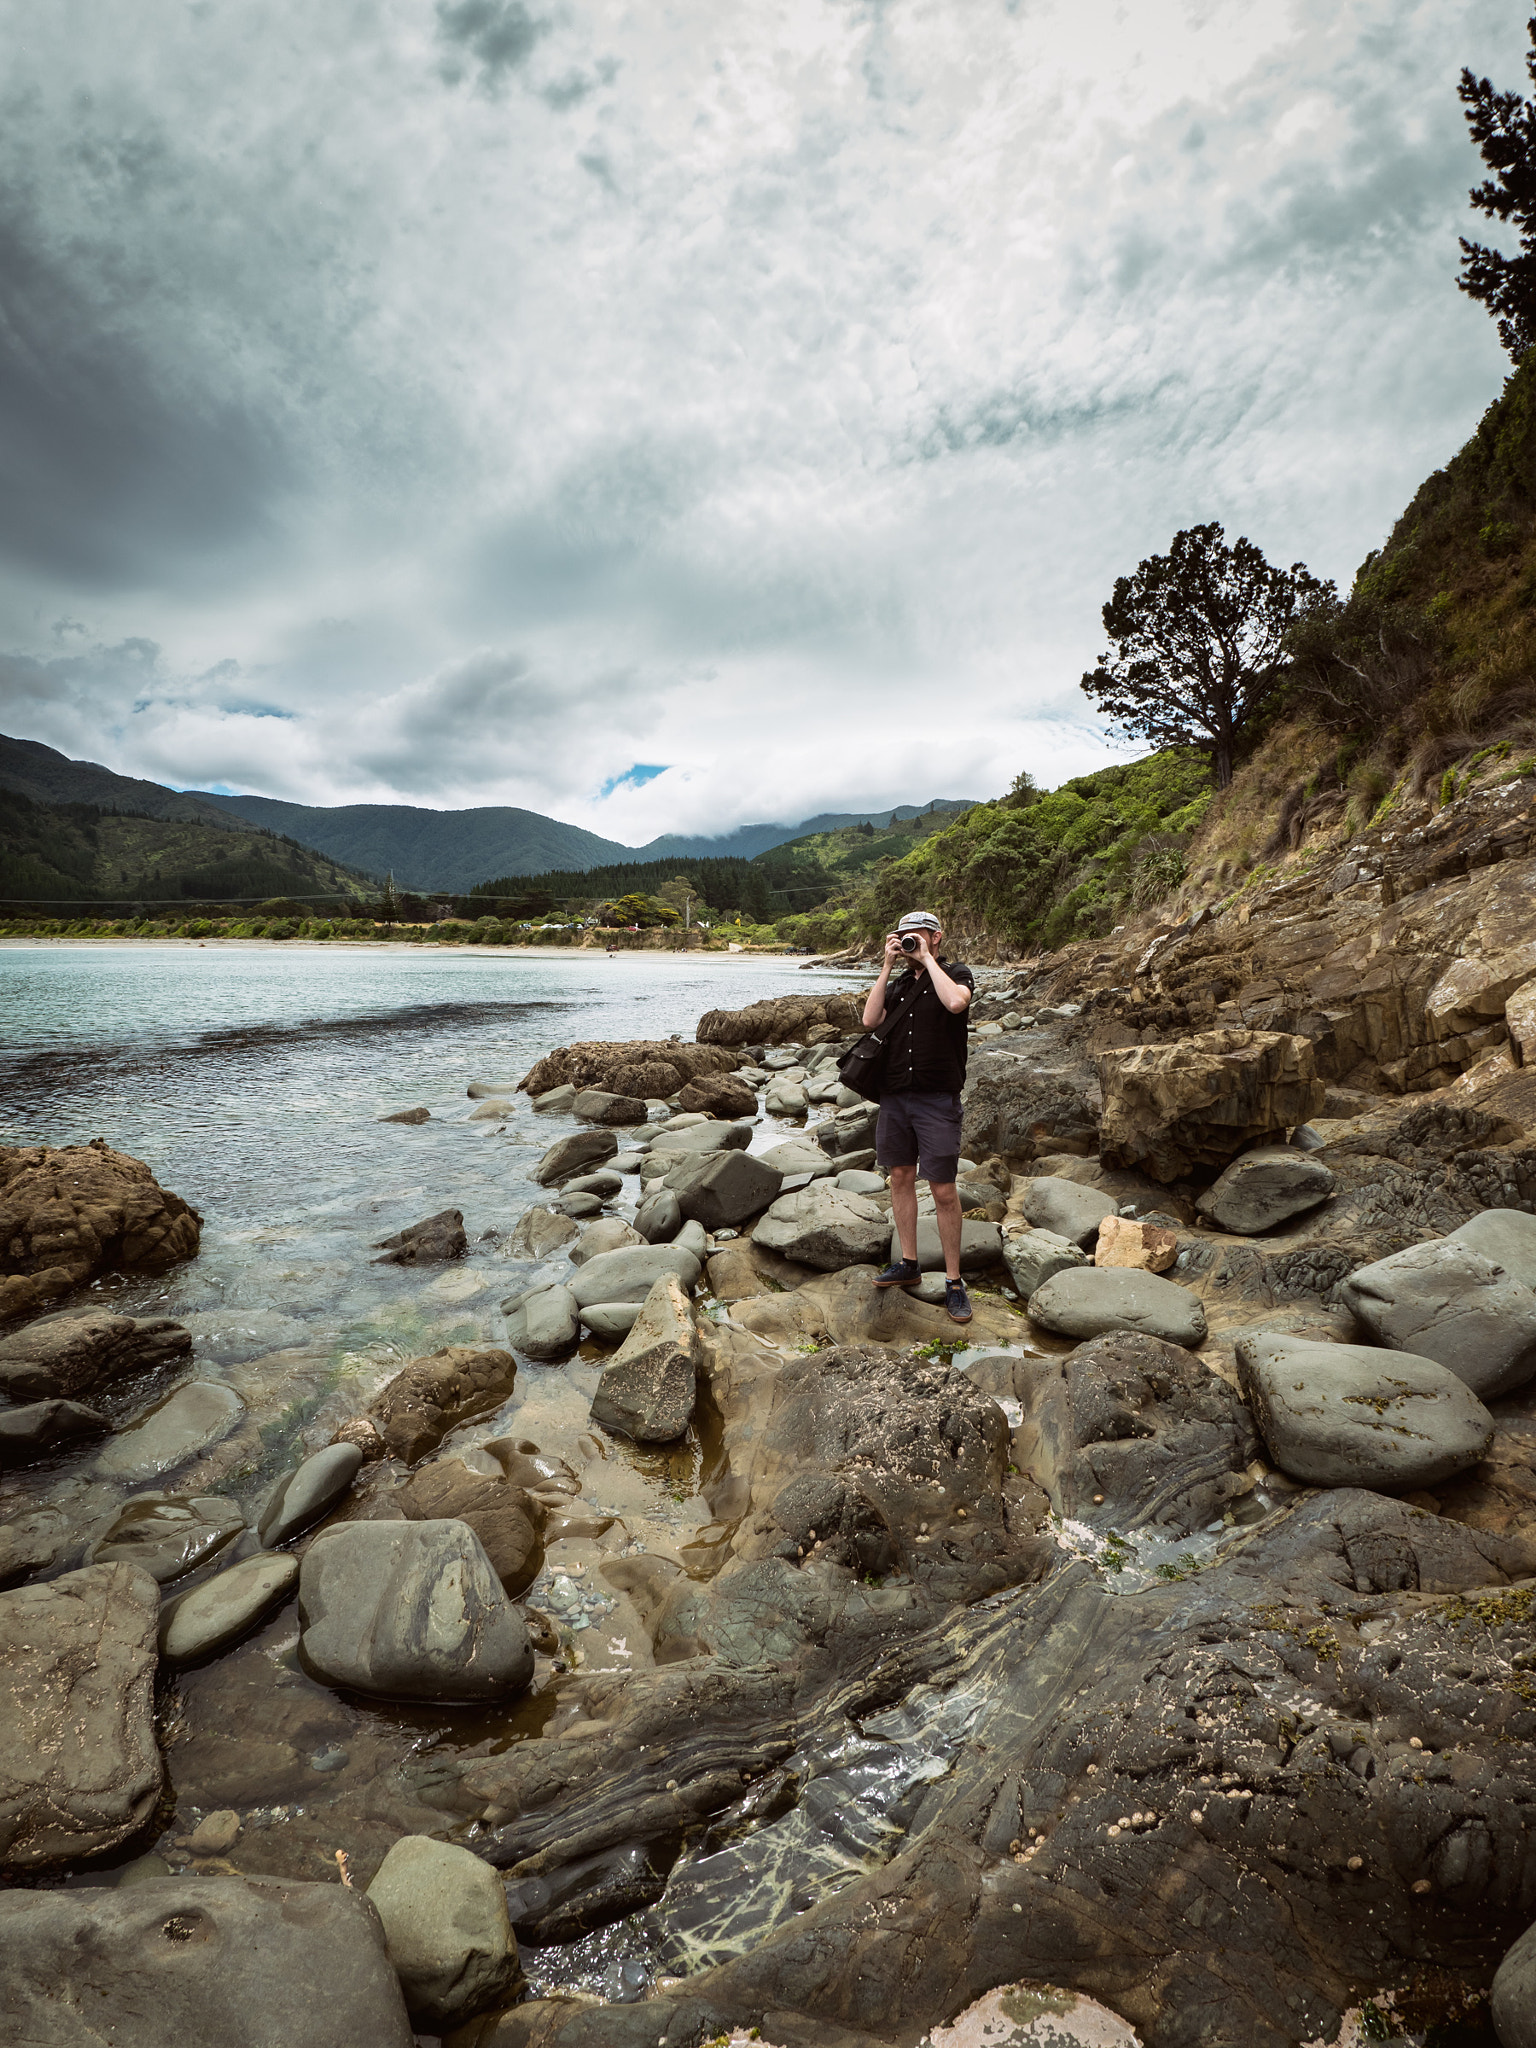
[954,995]
[874,1002]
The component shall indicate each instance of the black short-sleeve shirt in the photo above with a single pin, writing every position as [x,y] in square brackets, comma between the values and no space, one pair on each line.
[927,1048]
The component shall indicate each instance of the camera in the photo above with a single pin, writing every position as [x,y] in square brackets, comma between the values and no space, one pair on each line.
[909,942]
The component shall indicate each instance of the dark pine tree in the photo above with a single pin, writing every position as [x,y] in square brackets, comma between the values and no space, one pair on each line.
[1198,643]
[1503,126]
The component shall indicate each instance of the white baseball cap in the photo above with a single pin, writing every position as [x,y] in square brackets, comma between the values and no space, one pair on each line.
[919,921]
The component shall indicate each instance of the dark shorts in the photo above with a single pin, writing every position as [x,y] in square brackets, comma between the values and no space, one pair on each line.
[921,1131]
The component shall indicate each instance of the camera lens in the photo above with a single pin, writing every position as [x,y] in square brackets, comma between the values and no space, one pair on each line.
[908,942]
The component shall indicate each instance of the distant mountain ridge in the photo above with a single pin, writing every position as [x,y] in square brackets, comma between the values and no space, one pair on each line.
[425,850]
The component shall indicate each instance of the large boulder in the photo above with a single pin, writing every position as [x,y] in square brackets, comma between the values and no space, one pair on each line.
[706,1137]
[724,1188]
[725,1095]
[1512,2001]
[610,1322]
[1090,1301]
[187,1421]
[78,1351]
[1264,1188]
[786,1097]
[410,1610]
[599,1106]
[824,1226]
[167,1537]
[630,1275]
[648,1387]
[1035,1256]
[1507,1236]
[432,1241]
[538,1232]
[1173,1109]
[1067,1209]
[303,1495]
[419,1406]
[779,1020]
[79,1767]
[502,1517]
[444,1911]
[569,1156]
[543,1323]
[644,1067]
[44,1427]
[69,1214]
[798,1155]
[607,1234]
[1474,990]
[981,1245]
[1350,1415]
[850,1130]
[1012,1106]
[659,1217]
[243,1962]
[1445,1301]
[221,1609]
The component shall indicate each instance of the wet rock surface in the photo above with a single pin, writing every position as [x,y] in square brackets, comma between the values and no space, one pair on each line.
[421,1404]
[31,1432]
[1265,1188]
[79,1351]
[433,1239]
[223,1608]
[69,1214]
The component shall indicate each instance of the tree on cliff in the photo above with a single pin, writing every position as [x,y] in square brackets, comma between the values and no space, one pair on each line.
[1503,126]
[1198,636]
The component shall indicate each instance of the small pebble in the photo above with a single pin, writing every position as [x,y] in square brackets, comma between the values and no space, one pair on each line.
[961,1513]
[1098,1500]
[671,1784]
[215,1834]
[1421,1884]
[1018,1909]
[1355,1863]
[1414,1742]
[333,1759]
[1114,1831]
[1197,1815]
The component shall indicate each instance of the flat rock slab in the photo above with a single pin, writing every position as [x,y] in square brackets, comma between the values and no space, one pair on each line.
[724,1188]
[981,1245]
[79,1767]
[303,1495]
[1446,1301]
[605,1183]
[166,1536]
[1170,1109]
[1264,1188]
[649,1386]
[1507,1236]
[75,1353]
[611,1321]
[1091,1301]
[799,1155]
[43,1427]
[707,1137]
[630,1275]
[1067,1209]
[1350,1415]
[444,1911]
[242,1962]
[219,1611]
[410,1610]
[185,1422]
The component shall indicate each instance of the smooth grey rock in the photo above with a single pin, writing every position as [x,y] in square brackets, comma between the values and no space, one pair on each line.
[610,1321]
[851,1130]
[77,1351]
[981,1244]
[778,1057]
[495,1109]
[854,1181]
[608,1234]
[659,1217]
[539,1232]
[1035,1256]
[1507,1236]
[220,1610]
[303,1495]
[410,1610]
[823,1225]
[167,1537]
[242,1962]
[444,1911]
[189,1420]
[1088,1301]
[631,1274]
[858,1162]
[151,1868]
[692,1238]
[649,1386]
[626,1162]
[556,1099]
[1264,1188]
[710,1136]
[724,1187]
[1512,2001]
[1445,1301]
[43,1427]
[1350,1415]
[582,1207]
[79,1768]
[605,1184]
[599,1106]
[1067,1210]
[480,1091]
[785,1098]
[578,1153]
[798,1155]
[550,1328]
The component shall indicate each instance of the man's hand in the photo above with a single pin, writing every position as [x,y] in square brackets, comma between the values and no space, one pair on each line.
[893,951]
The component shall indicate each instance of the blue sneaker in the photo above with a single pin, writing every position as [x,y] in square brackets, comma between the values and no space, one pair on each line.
[900,1273]
[957,1303]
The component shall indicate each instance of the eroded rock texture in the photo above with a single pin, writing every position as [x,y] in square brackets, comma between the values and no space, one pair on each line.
[68,1214]
[643,1067]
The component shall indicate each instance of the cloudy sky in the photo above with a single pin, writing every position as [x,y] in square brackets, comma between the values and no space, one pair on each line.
[470,401]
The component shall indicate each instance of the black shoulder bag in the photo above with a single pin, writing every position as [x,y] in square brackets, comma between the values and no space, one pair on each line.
[862,1067]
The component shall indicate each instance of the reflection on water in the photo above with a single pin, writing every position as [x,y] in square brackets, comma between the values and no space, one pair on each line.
[251,1079]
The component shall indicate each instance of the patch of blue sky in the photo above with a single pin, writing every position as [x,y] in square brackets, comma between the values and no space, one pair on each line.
[634,777]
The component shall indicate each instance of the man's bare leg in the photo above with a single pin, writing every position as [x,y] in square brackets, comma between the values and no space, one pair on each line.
[904,1208]
[946,1200]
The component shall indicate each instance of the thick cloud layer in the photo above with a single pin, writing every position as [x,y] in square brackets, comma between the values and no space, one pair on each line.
[466,402]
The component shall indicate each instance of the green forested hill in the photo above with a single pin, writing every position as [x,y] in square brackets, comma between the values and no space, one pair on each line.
[78,853]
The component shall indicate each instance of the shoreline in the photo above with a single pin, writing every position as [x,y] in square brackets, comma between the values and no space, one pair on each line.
[427,949]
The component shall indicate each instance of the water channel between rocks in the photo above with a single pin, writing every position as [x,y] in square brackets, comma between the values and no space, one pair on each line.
[251,1080]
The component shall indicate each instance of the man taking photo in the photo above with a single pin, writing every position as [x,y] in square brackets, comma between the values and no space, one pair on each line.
[919,1128]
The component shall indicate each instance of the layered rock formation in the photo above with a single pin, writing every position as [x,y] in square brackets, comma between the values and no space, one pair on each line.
[69,1214]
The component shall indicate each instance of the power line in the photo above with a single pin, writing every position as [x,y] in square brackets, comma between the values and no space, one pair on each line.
[188,902]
